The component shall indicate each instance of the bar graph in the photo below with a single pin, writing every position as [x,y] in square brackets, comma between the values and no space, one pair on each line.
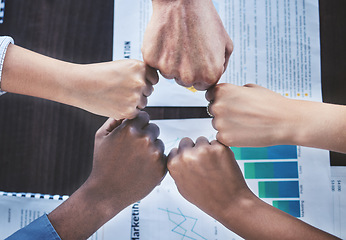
[273,152]
[278,189]
[257,170]
[290,207]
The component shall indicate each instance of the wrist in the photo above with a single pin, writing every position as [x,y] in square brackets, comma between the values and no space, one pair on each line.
[242,206]
[76,86]
[105,202]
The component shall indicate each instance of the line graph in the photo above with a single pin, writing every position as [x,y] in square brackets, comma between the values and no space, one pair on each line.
[183,225]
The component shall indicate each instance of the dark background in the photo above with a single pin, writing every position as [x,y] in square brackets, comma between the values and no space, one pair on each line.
[47,147]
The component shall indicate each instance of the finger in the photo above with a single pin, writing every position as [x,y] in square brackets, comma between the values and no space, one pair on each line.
[202,141]
[108,126]
[216,143]
[151,75]
[210,94]
[166,75]
[132,114]
[148,89]
[152,130]
[141,120]
[213,123]
[185,143]
[160,146]
[170,158]
[142,102]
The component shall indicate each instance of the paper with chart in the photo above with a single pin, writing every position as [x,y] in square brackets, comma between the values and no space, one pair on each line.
[276,45]
[18,210]
[293,179]
[338,184]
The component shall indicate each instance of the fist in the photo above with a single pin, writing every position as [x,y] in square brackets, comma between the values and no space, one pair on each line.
[187,41]
[129,160]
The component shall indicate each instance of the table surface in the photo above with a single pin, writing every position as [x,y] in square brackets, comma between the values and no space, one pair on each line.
[47,147]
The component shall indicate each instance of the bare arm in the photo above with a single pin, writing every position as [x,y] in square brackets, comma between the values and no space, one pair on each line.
[114,89]
[120,177]
[186,40]
[255,116]
[208,176]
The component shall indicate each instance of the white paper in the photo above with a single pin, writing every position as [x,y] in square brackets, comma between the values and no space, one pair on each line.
[21,209]
[276,45]
[165,214]
[338,184]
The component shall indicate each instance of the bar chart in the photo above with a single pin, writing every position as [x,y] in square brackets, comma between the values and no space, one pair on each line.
[273,152]
[272,173]
[257,170]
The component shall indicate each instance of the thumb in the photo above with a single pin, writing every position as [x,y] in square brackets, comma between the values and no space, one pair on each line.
[109,126]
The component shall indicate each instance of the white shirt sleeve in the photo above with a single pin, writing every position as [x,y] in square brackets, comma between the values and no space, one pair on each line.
[4,42]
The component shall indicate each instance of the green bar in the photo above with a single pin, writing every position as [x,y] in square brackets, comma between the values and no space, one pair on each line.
[278,189]
[271,170]
[250,170]
[261,190]
[237,153]
[273,152]
[254,153]
[290,207]
[259,170]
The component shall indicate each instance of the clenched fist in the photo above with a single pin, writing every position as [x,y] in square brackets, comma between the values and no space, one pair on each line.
[186,40]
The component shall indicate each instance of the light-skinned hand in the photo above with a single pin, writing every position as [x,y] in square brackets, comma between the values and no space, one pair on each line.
[116,89]
[186,40]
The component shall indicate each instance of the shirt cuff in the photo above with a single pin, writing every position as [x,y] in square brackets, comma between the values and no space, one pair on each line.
[41,228]
[4,42]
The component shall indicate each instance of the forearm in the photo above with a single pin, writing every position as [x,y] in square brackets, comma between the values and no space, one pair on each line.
[255,219]
[319,125]
[83,213]
[29,73]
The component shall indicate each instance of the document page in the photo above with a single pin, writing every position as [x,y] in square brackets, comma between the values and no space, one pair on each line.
[293,179]
[18,210]
[276,45]
[338,184]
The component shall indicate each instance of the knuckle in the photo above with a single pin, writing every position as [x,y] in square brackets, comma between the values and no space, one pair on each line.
[216,123]
[156,155]
[130,112]
[222,139]
[132,129]
[187,78]
[146,140]
[98,134]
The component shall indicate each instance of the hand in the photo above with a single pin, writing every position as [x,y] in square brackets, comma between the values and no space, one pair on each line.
[252,116]
[128,163]
[187,41]
[115,89]
[129,160]
[208,176]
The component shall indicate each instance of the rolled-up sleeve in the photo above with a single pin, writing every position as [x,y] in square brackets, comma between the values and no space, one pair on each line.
[41,228]
[4,42]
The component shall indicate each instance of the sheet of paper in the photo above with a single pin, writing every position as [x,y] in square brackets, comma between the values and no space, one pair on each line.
[302,174]
[18,210]
[276,45]
[338,184]
[165,214]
